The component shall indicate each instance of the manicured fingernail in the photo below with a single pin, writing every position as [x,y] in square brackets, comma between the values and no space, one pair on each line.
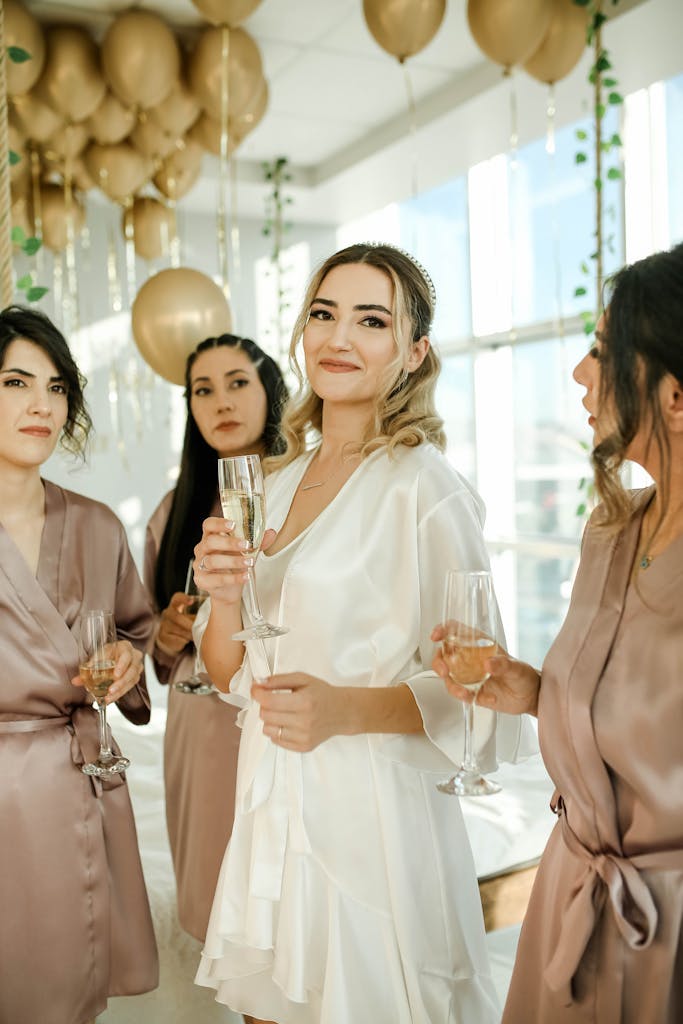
[230,524]
[243,545]
[249,562]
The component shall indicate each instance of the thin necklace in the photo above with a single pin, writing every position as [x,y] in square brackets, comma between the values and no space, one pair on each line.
[645,562]
[321,483]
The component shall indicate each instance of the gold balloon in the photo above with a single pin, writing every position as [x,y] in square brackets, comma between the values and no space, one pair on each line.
[152,141]
[21,29]
[178,112]
[179,171]
[118,170]
[172,313]
[81,177]
[403,27]
[244,71]
[140,58]
[17,144]
[54,209]
[152,226]
[206,132]
[226,12]
[563,44]
[111,122]
[35,119]
[69,141]
[509,31]
[245,122]
[71,82]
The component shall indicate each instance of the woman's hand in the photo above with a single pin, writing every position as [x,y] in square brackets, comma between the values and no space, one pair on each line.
[512,686]
[221,565]
[128,667]
[175,626]
[299,711]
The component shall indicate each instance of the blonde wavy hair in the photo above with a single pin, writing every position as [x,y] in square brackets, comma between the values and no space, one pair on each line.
[405,411]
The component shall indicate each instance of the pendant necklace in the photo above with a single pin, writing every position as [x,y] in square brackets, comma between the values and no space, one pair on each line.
[645,562]
[321,483]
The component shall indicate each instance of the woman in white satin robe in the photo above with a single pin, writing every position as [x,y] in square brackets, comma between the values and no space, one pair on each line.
[348,891]
[75,924]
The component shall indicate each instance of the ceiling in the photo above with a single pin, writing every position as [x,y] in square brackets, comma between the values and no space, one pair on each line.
[336,97]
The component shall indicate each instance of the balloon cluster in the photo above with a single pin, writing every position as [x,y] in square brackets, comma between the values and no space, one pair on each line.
[545,37]
[135,111]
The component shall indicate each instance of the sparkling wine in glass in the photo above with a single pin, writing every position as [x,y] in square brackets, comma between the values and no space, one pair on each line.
[198,684]
[97,658]
[469,621]
[243,500]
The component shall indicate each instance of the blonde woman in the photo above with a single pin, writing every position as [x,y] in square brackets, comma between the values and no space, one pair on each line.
[348,891]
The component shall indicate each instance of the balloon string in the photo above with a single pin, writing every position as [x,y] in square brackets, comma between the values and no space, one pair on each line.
[223,164]
[175,237]
[129,235]
[512,193]
[57,282]
[37,205]
[412,130]
[550,149]
[113,280]
[514,120]
[6,271]
[235,238]
[70,236]
[115,413]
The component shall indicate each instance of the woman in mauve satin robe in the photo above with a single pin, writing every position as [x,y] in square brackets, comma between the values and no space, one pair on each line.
[602,941]
[235,393]
[75,925]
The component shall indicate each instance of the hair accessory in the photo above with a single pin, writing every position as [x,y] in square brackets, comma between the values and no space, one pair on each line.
[408,256]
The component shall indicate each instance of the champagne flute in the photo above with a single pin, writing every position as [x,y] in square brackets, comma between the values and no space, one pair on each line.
[469,622]
[198,683]
[97,658]
[243,500]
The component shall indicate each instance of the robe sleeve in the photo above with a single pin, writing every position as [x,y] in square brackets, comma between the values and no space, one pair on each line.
[164,663]
[135,622]
[450,537]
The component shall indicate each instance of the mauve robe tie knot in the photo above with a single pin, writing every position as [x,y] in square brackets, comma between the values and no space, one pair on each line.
[634,909]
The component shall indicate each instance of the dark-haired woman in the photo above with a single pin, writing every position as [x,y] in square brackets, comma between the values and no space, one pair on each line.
[602,942]
[75,925]
[235,393]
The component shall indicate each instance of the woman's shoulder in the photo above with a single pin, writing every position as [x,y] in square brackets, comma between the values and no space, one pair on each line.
[434,469]
[163,509]
[88,510]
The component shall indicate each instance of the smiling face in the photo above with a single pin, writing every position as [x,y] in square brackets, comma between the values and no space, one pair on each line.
[349,342]
[228,401]
[33,405]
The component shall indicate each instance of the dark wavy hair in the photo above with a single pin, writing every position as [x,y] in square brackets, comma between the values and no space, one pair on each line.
[195,491]
[643,341]
[30,324]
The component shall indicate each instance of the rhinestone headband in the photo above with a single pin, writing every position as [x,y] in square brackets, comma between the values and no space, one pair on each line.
[408,256]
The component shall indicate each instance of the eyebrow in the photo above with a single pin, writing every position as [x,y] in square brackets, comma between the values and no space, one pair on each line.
[361,307]
[228,373]
[25,373]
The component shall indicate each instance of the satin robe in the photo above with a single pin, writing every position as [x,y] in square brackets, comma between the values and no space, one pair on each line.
[602,942]
[200,767]
[75,923]
[348,891]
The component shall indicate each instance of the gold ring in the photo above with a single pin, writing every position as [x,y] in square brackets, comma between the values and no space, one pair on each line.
[202,566]
[279,734]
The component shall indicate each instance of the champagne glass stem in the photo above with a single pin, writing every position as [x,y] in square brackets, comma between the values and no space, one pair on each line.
[105,750]
[469,761]
[252,600]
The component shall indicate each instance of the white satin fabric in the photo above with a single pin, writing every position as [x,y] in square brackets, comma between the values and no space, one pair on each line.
[348,891]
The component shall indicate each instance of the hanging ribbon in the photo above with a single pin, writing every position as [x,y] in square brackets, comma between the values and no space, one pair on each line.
[235,241]
[6,274]
[129,246]
[550,148]
[412,132]
[223,161]
[71,281]
[37,206]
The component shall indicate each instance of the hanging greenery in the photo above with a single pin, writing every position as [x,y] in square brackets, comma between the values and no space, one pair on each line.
[277,174]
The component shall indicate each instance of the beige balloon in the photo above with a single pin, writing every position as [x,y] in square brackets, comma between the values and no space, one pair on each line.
[70,141]
[71,82]
[112,121]
[151,140]
[178,112]
[172,313]
[244,71]
[404,27]
[140,58]
[226,12]
[245,122]
[23,30]
[35,120]
[120,170]
[509,31]
[54,213]
[206,132]
[152,224]
[179,172]
[563,44]
[82,178]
